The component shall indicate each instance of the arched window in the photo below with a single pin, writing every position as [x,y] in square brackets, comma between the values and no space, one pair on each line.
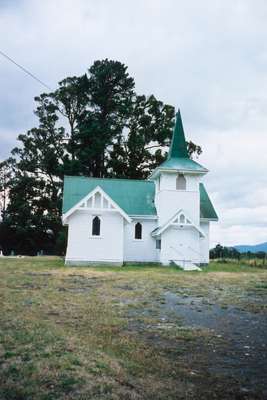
[138,231]
[180,182]
[96,226]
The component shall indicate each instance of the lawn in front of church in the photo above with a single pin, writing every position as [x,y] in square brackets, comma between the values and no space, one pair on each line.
[136,332]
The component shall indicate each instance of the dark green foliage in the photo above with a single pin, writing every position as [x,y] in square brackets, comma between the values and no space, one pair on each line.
[110,93]
[5,175]
[149,130]
[28,226]
[223,252]
[92,125]
[220,251]
[61,241]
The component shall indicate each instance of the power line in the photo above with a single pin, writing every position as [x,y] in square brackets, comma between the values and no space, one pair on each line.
[25,70]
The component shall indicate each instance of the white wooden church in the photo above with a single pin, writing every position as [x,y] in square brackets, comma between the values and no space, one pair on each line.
[164,219]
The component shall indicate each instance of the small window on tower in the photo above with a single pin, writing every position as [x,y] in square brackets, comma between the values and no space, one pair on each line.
[138,231]
[180,182]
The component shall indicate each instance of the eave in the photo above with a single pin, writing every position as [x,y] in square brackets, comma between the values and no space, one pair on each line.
[209,219]
[159,170]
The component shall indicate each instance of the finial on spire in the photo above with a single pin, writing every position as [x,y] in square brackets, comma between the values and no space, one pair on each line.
[178,148]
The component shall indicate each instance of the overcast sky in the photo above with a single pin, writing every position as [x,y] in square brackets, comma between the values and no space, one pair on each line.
[207,57]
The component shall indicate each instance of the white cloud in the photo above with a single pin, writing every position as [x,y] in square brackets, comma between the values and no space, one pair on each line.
[236,234]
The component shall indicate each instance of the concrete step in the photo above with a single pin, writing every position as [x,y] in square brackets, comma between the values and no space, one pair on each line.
[187,265]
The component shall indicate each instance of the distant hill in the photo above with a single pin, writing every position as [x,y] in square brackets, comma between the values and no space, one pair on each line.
[243,248]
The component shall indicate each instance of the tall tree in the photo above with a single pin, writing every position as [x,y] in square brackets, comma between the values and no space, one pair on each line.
[141,148]
[33,211]
[110,93]
[147,137]
[5,176]
[71,100]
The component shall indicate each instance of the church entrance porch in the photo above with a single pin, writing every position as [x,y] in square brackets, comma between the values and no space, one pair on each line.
[180,246]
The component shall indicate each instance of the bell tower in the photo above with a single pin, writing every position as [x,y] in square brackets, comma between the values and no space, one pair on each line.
[177,180]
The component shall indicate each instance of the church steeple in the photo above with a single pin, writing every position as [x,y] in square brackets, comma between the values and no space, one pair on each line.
[178,147]
[178,159]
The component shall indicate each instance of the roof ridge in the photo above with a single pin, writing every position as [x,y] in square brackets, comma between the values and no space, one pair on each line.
[108,179]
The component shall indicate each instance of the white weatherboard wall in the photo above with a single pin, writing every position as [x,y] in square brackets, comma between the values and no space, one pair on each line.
[84,248]
[204,242]
[140,250]
[180,244]
[169,200]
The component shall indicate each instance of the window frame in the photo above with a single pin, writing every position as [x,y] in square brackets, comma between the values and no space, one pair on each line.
[92,227]
[158,244]
[141,232]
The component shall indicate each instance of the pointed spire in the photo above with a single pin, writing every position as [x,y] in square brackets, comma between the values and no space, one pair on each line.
[178,147]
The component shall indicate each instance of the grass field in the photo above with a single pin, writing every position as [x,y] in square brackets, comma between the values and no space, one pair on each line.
[132,332]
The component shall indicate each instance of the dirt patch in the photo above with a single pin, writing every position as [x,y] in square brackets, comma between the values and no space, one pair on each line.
[45,274]
[28,286]
[226,343]
[79,284]
[241,351]
[124,287]
[75,289]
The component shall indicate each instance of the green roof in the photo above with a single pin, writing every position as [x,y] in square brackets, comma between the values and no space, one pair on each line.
[178,148]
[182,164]
[206,208]
[135,197]
[178,158]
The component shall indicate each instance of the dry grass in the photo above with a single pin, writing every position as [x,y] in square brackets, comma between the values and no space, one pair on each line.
[92,333]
